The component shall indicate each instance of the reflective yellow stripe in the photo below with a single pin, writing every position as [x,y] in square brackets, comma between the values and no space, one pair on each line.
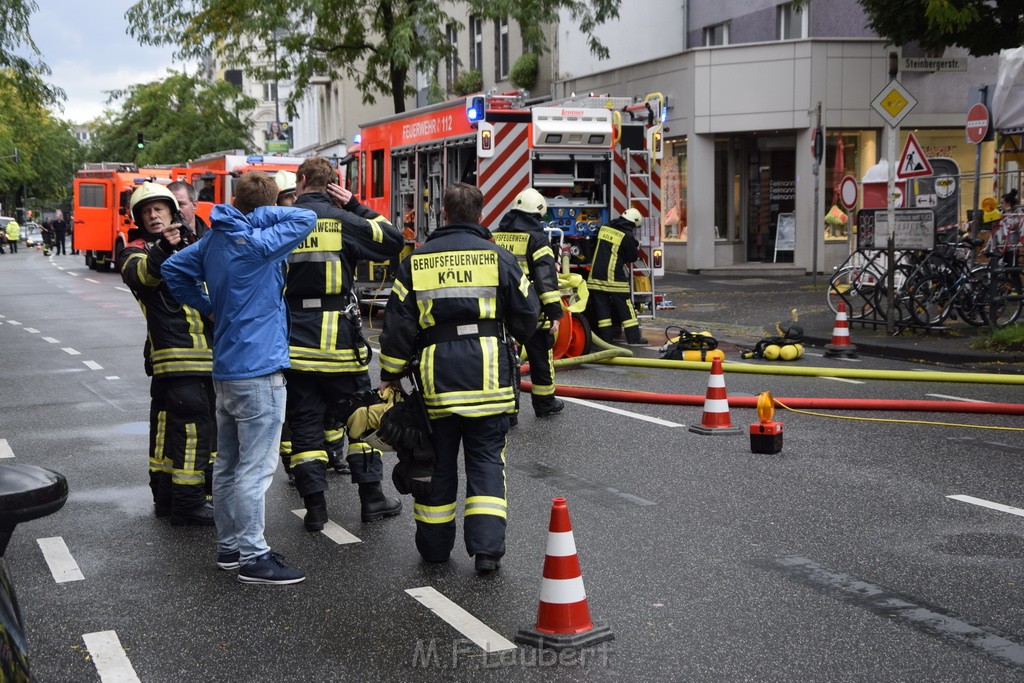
[426,308]
[542,252]
[187,478]
[329,329]
[427,363]
[398,289]
[543,390]
[138,262]
[486,505]
[190,368]
[285,448]
[195,327]
[433,514]
[182,353]
[308,456]
[355,447]
[377,230]
[490,351]
[524,285]
[390,364]
[550,297]
[161,435]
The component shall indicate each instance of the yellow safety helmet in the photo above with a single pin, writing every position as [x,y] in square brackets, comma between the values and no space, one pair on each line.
[531,201]
[148,192]
[286,182]
[633,216]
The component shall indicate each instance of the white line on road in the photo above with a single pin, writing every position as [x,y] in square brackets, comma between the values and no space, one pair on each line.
[5,449]
[844,379]
[70,351]
[13,322]
[461,620]
[619,411]
[58,557]
[51,340]
[31,330]
[111,662]
[123,289]
[111,377]
[335,532]
[70,273]
[988,504]
[92,365]
[89,279]
[956,398]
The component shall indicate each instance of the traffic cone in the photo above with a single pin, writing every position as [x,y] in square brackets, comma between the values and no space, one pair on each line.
[716,405]
[563,617]
[840,346]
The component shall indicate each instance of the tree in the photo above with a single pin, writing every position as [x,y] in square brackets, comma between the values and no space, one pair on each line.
[24,73]
[981,26]
[376,43]
[181,117]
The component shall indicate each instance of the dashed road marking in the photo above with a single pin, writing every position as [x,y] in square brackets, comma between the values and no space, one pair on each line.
[123,289]
[31,330]
[58,557]
[70,351]
[335,532]
[92,365]
[620,411]
[988,504]
[89,279]
[461,620]
[956,398]
[111,377]
[844,379]
[13,322]
[5,449]
[112,663]
[51,340]
[71,273]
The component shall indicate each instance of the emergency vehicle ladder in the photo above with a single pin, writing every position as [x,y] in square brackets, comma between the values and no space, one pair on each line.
[641,282]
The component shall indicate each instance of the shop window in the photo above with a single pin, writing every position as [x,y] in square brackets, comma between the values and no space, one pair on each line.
[673,183]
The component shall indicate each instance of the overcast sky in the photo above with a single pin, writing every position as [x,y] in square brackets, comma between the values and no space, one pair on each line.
[87,47]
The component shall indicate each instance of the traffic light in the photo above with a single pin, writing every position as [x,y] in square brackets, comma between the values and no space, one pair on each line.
[140,140]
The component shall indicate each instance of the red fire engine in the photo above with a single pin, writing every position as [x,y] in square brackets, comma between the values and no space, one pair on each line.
[592,157]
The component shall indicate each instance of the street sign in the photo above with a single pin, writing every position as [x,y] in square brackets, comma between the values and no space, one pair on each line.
[913,162]
[977,123]
[915,229]
[848,192]
[934,64]
[894,103]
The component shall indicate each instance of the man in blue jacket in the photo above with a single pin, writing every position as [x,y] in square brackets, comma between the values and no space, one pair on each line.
[241,261]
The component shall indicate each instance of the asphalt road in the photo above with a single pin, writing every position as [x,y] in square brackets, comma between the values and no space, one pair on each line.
[842,558]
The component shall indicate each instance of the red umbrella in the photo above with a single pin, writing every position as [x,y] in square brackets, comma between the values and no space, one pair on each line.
[838,169]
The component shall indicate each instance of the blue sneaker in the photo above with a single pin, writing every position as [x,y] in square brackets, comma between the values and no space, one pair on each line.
[269,568]
[228,561]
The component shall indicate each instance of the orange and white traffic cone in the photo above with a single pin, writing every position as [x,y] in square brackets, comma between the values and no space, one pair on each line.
[563,616]
[840,346]
[715,419]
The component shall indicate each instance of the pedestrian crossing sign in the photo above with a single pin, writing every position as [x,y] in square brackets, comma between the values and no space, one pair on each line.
[913,162]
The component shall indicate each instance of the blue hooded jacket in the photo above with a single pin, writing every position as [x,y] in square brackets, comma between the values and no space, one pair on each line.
[242,261]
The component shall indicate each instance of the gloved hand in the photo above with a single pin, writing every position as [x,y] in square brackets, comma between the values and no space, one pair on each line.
[412,477]
[553,310]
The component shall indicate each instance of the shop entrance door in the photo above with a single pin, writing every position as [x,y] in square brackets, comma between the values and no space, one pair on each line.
[772,177]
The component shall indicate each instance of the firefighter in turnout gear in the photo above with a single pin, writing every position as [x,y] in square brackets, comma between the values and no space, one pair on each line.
[329,356]
[608,282]
[452,305]
[179,358]
[522,232]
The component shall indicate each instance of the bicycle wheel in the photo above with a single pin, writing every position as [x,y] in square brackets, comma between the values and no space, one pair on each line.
[928,299]
[901,302]
[855,286]
[1003,303]
[972,300]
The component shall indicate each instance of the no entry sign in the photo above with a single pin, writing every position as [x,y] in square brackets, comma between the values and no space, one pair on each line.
[977,123]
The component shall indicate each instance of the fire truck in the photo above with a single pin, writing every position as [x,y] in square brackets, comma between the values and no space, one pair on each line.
[592,157]
[102,216]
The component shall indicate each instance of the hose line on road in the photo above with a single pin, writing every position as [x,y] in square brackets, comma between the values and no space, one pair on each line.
[885,419]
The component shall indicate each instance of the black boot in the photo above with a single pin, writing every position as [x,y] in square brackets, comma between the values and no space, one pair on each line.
[337,462]
[316,511]
[200,516]
[486,564]
[373,504]
[549,407]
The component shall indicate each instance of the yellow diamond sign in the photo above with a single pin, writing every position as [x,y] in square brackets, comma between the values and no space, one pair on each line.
[894,102]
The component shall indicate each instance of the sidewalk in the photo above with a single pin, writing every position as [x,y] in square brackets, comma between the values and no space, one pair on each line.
[741,309]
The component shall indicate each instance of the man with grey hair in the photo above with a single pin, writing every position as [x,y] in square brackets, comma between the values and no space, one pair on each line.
[188,202]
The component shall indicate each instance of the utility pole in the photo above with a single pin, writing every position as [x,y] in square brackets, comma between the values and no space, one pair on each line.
[819,154]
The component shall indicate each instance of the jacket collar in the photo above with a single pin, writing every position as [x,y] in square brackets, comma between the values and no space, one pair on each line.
[471,228]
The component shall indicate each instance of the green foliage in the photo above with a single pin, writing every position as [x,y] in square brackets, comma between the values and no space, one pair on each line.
[24,73]
[374,43]
[1007,339]
[468,82]
[980,26]
[435,93]
[182,117]
[524,71]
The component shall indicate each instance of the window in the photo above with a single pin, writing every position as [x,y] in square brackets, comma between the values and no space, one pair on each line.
[452,63]
[716,35]
[793,23]
[377,173]
[476,44]
[92,196]
[270,92]
[501,49]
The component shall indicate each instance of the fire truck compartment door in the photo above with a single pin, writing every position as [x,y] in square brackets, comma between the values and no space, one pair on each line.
[565,127]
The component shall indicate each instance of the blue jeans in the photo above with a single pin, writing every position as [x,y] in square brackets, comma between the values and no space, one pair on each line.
[250,413]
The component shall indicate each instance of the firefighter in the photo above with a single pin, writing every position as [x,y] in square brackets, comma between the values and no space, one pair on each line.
[608,281]
[522,232]
[13,235]
[329,356]
[452,306]
[286,185]
[188,202]
[179,358]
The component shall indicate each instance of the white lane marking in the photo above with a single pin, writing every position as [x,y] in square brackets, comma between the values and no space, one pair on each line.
[89,279]
[461,620]
[92,365]
[849,360]
[111,377]
[956,398]
[70,351]
[59,268]
[335,532]
[111,661]
[51,340]
[5,449]
[13,322]
[843,379]
[123,289]
[58,557]
[619,411]
[70,273]
[988,504]
[31,330]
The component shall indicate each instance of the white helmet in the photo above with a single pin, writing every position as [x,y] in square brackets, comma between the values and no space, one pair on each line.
[148,192]
[633,216]
[286,181]
[531,201]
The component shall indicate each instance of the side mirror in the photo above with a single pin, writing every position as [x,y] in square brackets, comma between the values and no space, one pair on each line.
[28,492]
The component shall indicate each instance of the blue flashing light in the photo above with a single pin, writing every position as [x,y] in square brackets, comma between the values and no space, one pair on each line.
[357,138]
[254,159]
[664,114]
[475,108]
